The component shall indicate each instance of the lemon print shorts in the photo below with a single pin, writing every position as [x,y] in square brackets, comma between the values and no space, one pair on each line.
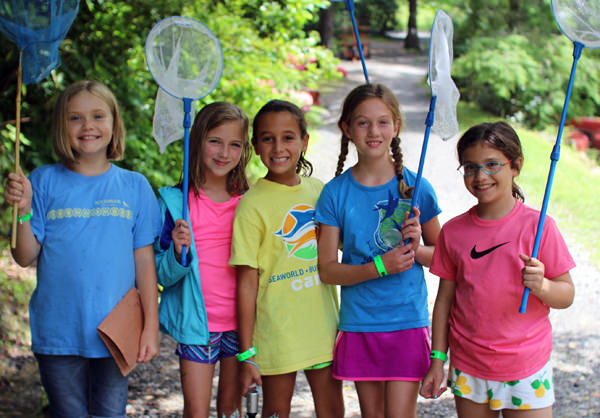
[533,392]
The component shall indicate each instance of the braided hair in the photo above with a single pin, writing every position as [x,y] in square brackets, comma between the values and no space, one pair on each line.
[352,101]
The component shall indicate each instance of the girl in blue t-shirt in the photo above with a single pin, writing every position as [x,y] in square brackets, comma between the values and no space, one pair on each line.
[384,340]
[90,226]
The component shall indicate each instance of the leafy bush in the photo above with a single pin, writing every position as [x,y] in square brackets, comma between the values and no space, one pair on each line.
[526,80]
[267,55]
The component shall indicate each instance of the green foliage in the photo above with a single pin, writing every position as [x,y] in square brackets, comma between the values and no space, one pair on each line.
[15,291]
[7,164]
[380,15]
[525,80]
[263,45]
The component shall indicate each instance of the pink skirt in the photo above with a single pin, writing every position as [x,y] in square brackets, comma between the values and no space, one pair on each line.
[398,355]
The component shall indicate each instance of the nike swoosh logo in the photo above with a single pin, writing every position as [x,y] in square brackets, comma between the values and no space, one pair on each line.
[478,254]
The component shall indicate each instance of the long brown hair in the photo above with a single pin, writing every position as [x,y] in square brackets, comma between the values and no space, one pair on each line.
[352,101]
[210,117]
[303,166]
[499,135]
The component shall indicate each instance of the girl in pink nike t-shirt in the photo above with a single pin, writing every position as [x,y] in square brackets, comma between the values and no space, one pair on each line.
[500,358]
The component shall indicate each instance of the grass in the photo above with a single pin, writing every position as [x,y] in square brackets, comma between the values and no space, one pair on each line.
[575,192]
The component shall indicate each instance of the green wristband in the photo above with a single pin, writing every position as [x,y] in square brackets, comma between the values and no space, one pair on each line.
[25,217]
[438,355]
[379,266]
[246,354]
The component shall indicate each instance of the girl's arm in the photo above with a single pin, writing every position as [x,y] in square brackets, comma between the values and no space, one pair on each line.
[18,190]
[558,293]
[413,229]
[433,383]
[247,290]
[333,272]
[145,279]
[168,266]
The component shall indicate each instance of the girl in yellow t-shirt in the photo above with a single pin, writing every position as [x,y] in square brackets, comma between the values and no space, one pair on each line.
[287,318]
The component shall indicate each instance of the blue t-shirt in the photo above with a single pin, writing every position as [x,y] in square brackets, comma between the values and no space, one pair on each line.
[369,218]
[88,228]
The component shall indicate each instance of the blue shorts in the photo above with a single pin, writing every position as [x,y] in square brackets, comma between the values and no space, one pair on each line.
[220,345]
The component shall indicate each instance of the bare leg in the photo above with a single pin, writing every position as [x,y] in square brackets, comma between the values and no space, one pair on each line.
[277,394]
[466,408]
[371,397]
[228,396]
[196,382]
[327,393]
[401,399]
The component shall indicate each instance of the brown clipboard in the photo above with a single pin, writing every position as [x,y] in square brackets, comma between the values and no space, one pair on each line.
[121,331]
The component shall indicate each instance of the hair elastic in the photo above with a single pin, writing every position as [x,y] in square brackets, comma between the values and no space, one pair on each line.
[438,355]
[379,266]
[246,354]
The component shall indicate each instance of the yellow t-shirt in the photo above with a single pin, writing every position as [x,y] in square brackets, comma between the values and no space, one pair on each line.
[274,231]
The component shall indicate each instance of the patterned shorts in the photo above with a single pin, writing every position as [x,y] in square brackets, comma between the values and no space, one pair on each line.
[533,392]
[220,345]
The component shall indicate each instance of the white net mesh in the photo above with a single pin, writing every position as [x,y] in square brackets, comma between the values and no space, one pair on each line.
[186,60]
[167,125]
[445,123]
[579,20]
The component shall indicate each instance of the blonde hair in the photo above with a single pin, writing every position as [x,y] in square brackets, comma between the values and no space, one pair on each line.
[210,117]
[60,140]
[352,101]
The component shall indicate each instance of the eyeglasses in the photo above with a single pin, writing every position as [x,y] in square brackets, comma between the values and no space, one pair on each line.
[490,167]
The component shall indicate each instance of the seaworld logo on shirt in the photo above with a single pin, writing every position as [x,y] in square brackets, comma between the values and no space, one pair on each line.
[299,232]
[391,215]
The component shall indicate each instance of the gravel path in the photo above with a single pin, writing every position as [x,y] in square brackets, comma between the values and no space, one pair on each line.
[155,389]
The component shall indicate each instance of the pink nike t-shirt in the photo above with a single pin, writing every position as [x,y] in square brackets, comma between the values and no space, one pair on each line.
[488,337]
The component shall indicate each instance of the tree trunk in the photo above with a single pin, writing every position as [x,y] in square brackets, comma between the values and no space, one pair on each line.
[412,38]
[326,26]
[513,15]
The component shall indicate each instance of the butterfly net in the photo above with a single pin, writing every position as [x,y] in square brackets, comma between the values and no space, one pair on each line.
[186,60]
[37,27]
[445,123]
[579,20]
